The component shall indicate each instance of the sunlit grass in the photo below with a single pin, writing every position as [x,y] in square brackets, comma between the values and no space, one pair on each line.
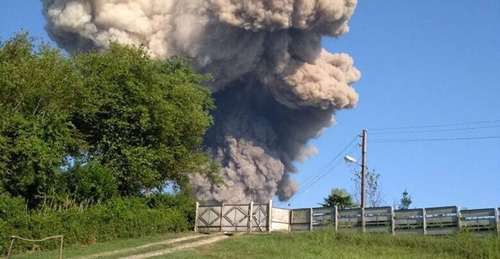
[328,244]
[86,250]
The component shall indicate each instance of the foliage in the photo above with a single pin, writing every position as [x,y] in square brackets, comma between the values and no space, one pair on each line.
[142,118]
[93,125]
[90,183]
[36,101]
[405,201]
[372,187]
[116,219]
[340,198]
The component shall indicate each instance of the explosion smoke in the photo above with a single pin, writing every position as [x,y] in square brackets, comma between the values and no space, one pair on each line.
[275,87]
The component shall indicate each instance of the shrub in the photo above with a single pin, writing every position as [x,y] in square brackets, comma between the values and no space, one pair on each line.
[115,219]
[91,182]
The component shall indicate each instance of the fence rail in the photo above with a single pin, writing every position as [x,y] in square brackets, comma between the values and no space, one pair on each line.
[425,221]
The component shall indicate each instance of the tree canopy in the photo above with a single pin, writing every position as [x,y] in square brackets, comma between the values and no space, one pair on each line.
[405,201]
[116,111]
[340,198]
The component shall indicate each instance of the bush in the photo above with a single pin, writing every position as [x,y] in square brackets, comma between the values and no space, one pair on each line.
[116,219]
[91,182]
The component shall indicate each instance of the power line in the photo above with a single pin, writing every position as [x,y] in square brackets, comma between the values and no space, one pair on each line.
[318,176]
[434,130]
[434,126]
[378,141]
[329,163]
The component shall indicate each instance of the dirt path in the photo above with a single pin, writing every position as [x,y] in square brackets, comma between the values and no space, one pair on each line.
[127,250]
[179,247]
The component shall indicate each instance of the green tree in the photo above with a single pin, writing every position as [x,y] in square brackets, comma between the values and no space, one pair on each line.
[96,118]
[36,100]
[89,183]
[142,118]
[372,187]
[340,198]
[405,201]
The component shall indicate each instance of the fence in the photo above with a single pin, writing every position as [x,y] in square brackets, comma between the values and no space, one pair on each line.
[426,221]
[14,238]
[234,217]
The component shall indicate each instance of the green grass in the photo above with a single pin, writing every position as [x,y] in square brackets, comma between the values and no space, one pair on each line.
[86,250]
[318,244]
[328,244]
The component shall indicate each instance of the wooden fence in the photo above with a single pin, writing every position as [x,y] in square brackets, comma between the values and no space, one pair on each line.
[426,221]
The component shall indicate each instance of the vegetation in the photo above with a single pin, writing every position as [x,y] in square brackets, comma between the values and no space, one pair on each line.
[82,251]
[372,191]
[143,119]
[88,143]
[405,201]
[340,198]
[116,219]
[328,244]
[98,124]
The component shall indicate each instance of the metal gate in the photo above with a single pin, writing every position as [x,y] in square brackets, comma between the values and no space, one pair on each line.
[233,217]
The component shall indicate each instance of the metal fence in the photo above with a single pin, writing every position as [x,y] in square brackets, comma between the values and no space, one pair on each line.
[426,221]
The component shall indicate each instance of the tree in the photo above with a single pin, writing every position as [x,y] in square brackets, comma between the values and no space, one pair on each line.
[405,201]
[143,119]
[90,116]
[36,100]
[372,187]
[89,183]
[340,198]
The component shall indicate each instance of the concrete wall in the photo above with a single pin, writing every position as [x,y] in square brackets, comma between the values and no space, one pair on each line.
[426,221]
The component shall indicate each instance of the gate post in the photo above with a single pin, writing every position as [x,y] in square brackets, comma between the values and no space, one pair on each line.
[336,217]
[310,219]
[270,216]
[497,220]
[424,221]
[393,223]
[363,222]
[459,219]
[250,216]
[196,217]
[221,217]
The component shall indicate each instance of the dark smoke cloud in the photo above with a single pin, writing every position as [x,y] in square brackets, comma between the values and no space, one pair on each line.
[275,86]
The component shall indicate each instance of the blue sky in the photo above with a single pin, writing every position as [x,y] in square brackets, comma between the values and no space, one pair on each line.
[424,64]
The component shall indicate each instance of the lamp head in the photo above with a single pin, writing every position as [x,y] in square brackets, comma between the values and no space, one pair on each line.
[349,159]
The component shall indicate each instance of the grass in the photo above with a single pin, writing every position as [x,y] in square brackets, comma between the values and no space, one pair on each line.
[328,244]
[318,244]
[86,250]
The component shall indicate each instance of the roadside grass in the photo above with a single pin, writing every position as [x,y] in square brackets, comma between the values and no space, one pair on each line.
[328,244]
[87,250]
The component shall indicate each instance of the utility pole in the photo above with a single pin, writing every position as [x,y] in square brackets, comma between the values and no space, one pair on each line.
[363,176]
[363,169]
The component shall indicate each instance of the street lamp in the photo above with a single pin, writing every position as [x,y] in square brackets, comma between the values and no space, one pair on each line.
[350,159]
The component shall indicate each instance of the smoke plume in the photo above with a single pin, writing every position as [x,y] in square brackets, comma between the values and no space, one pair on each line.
[275,86]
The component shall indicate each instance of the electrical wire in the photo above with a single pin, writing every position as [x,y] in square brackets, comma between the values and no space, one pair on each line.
[318,176]
[378,141]
[329,163]
[435,130]
[434,126]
